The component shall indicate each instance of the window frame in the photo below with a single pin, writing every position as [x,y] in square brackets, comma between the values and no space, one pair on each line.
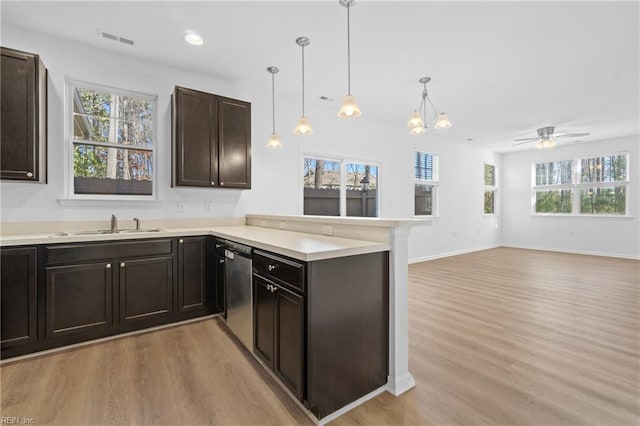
[491,188]
[575,186]
[343,161]
[70,85]
[434,183]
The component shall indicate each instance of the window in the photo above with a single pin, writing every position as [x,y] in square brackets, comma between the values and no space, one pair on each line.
[603,184]
[585,186]
[490,188]
[112,142]
[425,183]
[338,187]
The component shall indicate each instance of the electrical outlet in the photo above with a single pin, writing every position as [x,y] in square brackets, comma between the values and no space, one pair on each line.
[327,229]
[283,225]
[208,205]
[181,207]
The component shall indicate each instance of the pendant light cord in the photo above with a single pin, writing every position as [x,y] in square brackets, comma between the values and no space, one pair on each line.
[348,52]
[303,81]
[273,101]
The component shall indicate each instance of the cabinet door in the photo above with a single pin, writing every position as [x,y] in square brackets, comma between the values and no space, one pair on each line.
[289,343]
[23,117]
[195,135]
[263,317]
[145,288]
[18,296]
[192,274]
[234,143]
[78,298]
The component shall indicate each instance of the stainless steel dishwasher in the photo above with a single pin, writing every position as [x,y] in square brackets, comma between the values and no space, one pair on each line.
[239,293]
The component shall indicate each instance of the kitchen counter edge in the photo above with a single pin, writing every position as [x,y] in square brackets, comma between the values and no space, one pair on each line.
[287,243]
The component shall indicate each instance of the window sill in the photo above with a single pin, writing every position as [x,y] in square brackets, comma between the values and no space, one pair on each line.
[584,216]
[109,202]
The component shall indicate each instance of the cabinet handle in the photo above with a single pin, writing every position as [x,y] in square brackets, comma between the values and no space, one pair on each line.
[122,265]
[221,183]
[221,260]
[213,183]
[218,245]
[29,174]
[273,288]
[271,267]
[181,241]
[108,266]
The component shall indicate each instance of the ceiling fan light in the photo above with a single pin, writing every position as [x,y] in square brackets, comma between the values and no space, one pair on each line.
[349,108]
[442,122]
[415,120]
[274,141]
[303,127]
[539,145]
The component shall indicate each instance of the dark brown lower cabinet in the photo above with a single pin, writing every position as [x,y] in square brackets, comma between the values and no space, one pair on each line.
[279,332]
[146,288]
[289,340]
[193,276]
[79,298]
[18,314]
[263,319]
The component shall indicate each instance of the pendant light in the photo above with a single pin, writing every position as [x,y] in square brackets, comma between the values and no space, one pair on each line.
[419,122]
[303,127]
[274,140]
[349,108]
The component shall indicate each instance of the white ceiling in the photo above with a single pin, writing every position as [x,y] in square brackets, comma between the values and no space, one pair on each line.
[499,69]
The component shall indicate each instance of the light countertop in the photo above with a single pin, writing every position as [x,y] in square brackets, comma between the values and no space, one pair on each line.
[298,245]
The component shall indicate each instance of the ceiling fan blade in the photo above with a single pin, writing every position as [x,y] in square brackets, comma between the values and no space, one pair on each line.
[570,135]
[525,139]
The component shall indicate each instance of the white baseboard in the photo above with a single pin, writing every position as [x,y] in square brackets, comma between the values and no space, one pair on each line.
[452,253]
[571,251]
[349,407]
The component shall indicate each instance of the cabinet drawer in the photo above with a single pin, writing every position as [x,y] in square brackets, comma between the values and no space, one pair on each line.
[279,269]
[72,253]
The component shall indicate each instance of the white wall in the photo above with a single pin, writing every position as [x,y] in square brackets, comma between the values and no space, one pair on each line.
[616,236]
[461,225]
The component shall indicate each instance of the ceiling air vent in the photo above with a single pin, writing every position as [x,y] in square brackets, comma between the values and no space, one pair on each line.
[116,38]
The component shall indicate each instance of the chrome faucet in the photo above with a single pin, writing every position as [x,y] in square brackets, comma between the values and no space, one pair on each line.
[137,223]
[114,223]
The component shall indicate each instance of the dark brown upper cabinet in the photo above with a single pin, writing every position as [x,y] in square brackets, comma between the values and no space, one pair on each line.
[211,140]
[23,119]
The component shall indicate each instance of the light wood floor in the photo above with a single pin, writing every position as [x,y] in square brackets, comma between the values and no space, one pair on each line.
[500,337]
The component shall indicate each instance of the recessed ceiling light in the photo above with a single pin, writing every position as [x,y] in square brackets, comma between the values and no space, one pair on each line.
[193,38]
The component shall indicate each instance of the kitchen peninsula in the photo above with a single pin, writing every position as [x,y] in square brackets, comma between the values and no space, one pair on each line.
[358,252]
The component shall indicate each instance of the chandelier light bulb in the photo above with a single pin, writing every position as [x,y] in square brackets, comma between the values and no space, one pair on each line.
[418,130]
[442,122]
[415,120]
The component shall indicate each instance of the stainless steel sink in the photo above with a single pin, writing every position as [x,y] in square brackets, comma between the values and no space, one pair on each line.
[104,232]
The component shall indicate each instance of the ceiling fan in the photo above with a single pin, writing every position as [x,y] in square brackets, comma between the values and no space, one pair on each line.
[546,137]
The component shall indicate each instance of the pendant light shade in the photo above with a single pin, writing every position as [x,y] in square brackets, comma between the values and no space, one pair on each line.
[349,108]
[303,127]
[415,120]
[274,139]
[419,122]
[442,122]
